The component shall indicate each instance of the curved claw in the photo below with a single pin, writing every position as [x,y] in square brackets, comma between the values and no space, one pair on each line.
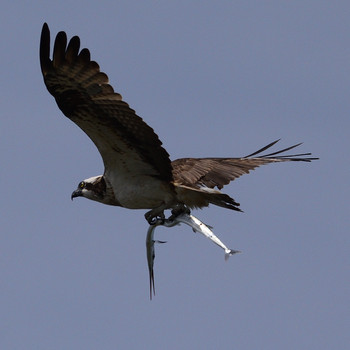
[156,220]
[152,221]
[153,216]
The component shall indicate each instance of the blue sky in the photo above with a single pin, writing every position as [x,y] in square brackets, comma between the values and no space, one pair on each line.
[213,79]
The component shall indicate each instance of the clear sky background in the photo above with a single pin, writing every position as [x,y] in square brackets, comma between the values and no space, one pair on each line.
[213,78]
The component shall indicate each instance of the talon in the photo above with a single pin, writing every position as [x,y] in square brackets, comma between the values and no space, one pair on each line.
[153,218]
[156,213]
[152,221]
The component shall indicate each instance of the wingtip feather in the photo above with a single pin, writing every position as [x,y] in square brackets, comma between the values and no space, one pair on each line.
[263,148]
[45,61]
[72,49]
[276,156]
[59,49]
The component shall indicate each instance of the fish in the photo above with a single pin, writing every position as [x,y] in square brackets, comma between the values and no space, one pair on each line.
[183,218]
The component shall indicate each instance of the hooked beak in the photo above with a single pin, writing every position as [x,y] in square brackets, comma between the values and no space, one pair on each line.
[76,193]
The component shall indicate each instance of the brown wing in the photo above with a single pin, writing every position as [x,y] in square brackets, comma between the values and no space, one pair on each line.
[217,172]
[83,94]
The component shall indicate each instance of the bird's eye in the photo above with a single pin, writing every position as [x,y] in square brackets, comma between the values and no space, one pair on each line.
[82,184]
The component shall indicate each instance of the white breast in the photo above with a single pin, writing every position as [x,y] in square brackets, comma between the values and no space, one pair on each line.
[140,192]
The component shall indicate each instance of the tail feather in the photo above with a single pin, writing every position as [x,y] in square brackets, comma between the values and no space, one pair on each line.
[223,200]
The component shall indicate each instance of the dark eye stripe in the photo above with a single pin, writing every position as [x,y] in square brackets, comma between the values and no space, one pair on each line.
[88,186]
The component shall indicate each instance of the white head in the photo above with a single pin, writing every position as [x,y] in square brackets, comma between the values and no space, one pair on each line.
[93,188]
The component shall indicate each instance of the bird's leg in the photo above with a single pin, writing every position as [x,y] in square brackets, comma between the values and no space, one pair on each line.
[153,215]
[178,210]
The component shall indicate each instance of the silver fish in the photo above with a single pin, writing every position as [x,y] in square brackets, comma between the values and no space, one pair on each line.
[185,218]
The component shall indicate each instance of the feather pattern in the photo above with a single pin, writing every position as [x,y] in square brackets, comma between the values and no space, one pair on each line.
[218,172]
[126,143]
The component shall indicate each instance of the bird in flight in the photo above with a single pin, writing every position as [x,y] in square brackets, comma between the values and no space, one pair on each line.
[138,171]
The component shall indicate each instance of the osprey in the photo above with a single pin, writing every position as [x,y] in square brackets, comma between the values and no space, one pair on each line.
[138,172]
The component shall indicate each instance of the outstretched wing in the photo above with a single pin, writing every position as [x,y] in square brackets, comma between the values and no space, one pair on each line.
[83,94]
[217,172]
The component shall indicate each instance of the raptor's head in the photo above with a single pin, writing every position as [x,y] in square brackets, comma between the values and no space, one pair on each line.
[93,188]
